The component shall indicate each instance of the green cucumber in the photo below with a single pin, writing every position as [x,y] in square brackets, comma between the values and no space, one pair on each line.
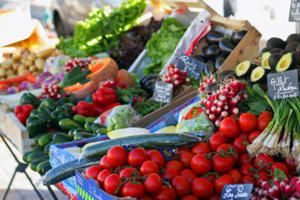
[45,169]
[41,165]
[168,140]
[95,127]
[60,137]
[72,131]
[66,170]
[36,138]
[101,131]
[67,124]
[82,135]
[80,119]
[88,126]
[47,147]
[90,119]
[45,139]
[36,148]
[33,155]
[33,165]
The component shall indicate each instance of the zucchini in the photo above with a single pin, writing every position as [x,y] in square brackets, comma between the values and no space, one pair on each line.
[80,119]
[36,148]
[36,138]
[168,140]
[90,119]
[60,137]
[47,147]
[41,165]
[101,131]
[66,170]
[33,155]
[72,132]
[67,124]
[45,169]
[33,165]
[88,126]
[45,139]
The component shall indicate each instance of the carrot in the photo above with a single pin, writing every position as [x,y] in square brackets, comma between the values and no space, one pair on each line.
[17,79]
[4,86]
[31,78]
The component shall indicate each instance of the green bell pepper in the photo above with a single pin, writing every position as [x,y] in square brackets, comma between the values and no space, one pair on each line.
[35,125]
[45,113]
[62,101]
[49,103]
[61,112]
[29,98]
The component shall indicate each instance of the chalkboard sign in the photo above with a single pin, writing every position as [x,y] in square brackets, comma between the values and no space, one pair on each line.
[163,92]
[236,192]
[191,65]
[283,85]
[294,11]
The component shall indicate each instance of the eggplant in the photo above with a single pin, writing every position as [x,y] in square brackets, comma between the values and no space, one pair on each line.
[148,82]
[226,45]
[219,61]
[211,52]
[237,36]
[200,58]
[214,37]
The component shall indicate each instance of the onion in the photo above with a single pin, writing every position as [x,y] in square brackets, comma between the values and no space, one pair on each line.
[25,85]
[12,90]
[36,85]
[49,80]
[43,76]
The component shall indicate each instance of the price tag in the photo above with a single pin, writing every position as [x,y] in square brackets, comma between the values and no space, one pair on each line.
[191,65]
[163,92]
[283,85]
[236,192]
[294,11]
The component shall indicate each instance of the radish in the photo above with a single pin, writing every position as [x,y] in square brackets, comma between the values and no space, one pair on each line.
[288,190]
[234,111]
[217,122]
[208,112]
[208,104]
[238,98]
[218,110]
[212,117]
[220,104]
[226,107]
[213,109]
[298,187]
[224,114]
[244,96]
[233,102]
[266,185]
[276,181]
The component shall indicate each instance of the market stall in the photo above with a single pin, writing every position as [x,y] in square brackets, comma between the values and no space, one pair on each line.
[154,101]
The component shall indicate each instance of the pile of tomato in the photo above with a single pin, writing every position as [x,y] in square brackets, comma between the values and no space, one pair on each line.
[199,172]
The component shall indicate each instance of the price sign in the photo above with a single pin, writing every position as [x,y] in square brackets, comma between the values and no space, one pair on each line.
[294,11]
[283,85]
[191,65]
[163,92]
[236,192]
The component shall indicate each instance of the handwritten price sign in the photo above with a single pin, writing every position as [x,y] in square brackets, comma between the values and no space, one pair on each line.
[236,192]
[163,92]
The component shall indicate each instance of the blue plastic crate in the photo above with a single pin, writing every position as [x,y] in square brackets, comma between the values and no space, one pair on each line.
[58,156]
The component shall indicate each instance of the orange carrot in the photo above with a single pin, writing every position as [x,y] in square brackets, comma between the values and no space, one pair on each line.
[31,78]
[17,79]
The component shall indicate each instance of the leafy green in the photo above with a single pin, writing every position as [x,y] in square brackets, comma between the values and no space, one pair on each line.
[126,94]
[162,44]
[146,107]
[76,75]
[279,174]
[103,29]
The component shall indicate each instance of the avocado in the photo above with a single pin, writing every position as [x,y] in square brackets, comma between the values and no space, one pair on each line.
[284,63]
[283,51]
[293,38]
[258,75]
[273,59]
[243,69]
[214,37]
[219,61]
[211,51]
[265,60]
[226,45]
[296,57]
[237,36]
[265,50]
[275,50]
[291,47]
[276,43]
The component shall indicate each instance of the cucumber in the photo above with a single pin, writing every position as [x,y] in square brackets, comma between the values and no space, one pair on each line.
[33,165]
[72,131]
[101,131]
[88,126]
[60,137]
[67,124]
[47,147]
[90,119]
[82,135]
[45,139]
[36,148]
[95,127]
[45,169]
[33,155]
[36,138]
[66,170]
[41,165]
[168,140]
[80,119]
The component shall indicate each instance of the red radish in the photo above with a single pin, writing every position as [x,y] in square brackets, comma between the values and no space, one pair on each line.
[244,96]
[220,104]
[208,112]
[226,107]
[213,109]
[217,122]
[266,185]
[234,111]
[209,104]
[298,187]
[238,98]
[233,102]
[212,117]
[218,110]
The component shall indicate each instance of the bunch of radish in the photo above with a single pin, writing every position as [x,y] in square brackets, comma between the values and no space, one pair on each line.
[285,189]
[175,76]
[223,101]
[82,62]
[52,91]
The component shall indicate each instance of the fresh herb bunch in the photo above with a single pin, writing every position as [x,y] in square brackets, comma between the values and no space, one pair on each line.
[126,94]
[103,29]
[146,107]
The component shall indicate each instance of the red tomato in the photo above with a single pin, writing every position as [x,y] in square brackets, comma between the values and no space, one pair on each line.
[247,179]
[221,181]
[261,177]
[190,197]
[174,164]
[180,185]
[247,122]
[291,164]
[266,113]
[244,159]
[221,164]
[186,158]
[127,172]
[156,157]
[229,127]
[146,197]
[188,174]
[180,150]
[102,176]
[112,183]
[281,166]
[226,139]
[252,136]
[244,135]
[262,159]
[170,173]
[241,144]
[104,163]
[247,170]
[215,141]
[227,148]
[92,172]
[117,156]
[153,183]
[133,189]
[201,148]
[236,176]
[166,193]
[202,188]
[263,121]
[214,197]
[149,167]
[136,157]
[200,164]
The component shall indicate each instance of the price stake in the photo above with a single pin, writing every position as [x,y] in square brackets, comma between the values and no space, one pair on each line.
[191,65]
[294,11]
[283,85]
[163,92]
[236,192]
